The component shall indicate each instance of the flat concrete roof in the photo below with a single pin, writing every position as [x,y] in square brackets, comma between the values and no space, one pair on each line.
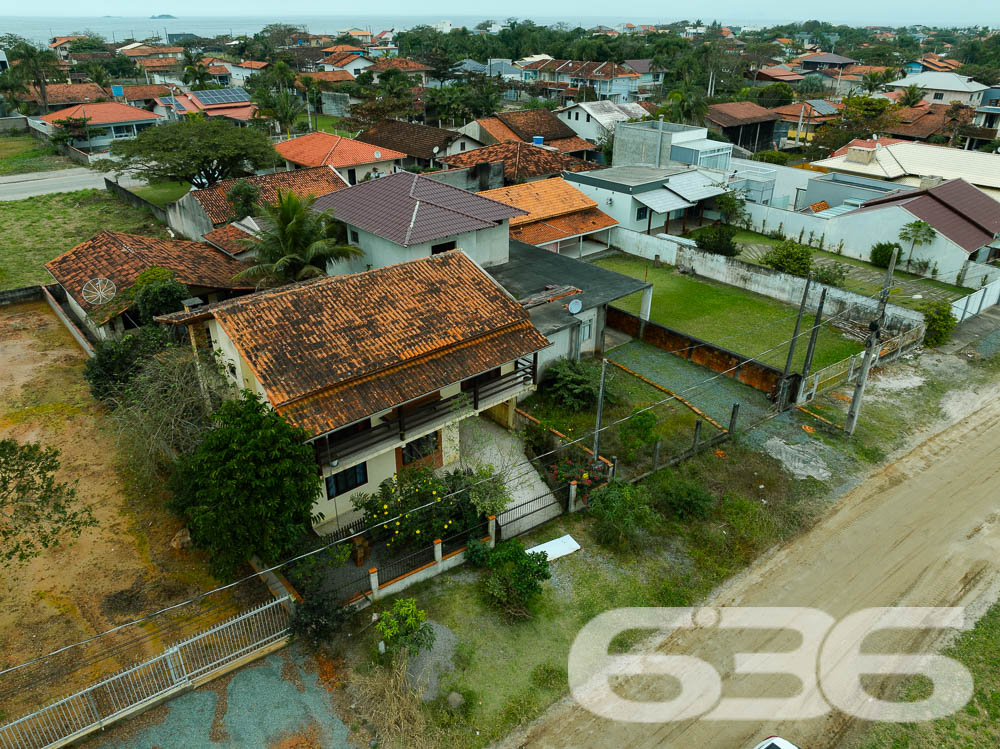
[530,269]
[629,178]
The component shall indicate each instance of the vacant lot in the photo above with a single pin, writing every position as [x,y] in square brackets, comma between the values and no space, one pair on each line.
[747,323]
[119,570]
[21,154]
[162,193]
[35,230]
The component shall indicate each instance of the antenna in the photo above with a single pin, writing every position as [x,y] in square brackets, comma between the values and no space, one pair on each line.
[378,154]
[99,290]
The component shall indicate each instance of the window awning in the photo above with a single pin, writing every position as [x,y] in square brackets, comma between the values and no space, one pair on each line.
[662,200]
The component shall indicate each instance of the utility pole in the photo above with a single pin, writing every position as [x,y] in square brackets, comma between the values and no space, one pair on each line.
[600,411]
[871,349]
[783,388]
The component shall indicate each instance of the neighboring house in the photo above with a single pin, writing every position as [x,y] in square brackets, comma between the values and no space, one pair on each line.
[96,273]
[422,144]
[522,162]
[744,123]
[331,76]
[416,70]
[849,80]
[648,77]
[356,49]
[800,120]
[527,126]
[201,211]
[774,74]
[559,217]
[943,88]
[608,79]
[347,62]
[931,63]
[595,120]
[917,164]
[547,283]
[142,53]
[60,45]
[646,199]
[232,103]
[407,216]
[4,63]
[166,70]
[62,95]
[655,142]
[144,97]
[985,127]
[823,61]
[106,122]
[382,50]
[923,121]
[378,367]
[244,69]
[353,160]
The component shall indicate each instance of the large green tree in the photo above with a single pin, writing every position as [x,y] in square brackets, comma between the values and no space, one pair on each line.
[199,151]
[297,243]
[861,117]
[249,486]
[36,510]
[36,67]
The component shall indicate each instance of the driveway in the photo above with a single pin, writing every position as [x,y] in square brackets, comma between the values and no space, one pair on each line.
[922,531]
[19,186]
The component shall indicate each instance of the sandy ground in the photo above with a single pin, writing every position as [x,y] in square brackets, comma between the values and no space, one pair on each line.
[923,531]
[122,568]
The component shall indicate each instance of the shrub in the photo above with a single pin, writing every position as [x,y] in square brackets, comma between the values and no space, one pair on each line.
[718,240]
[580,470]
[682,498]
[638,431]
[781,158]
[881,253]
[568,383]
[159,298]
[244,197]
[789,257]
[116,361]
[477,553]
[482,487]
[622,514]
[940,322]
[317,619]
[404,628]
[514,579]
[832,274]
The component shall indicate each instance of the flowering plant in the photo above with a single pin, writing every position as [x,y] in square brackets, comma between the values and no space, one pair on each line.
[583,471]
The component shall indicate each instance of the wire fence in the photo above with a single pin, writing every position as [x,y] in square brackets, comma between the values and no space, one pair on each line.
[172,670]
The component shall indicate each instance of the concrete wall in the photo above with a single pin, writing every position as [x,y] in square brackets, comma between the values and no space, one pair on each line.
[15,123]
[560,348]
[187,217]
[583,124]
[474,178]
[130,197]
[836,188]
[787,180]
[623,207]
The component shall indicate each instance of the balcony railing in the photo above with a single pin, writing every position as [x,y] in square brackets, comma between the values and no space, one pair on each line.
[474,397]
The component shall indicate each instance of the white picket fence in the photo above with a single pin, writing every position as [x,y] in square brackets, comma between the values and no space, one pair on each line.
[171,671]
[976,302]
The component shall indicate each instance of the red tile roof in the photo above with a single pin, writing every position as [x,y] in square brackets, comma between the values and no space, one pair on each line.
[339,59]
[400,63]
[253,64]
[556,210]
[102,113]
[409,209]
[319,149]
[497,129]
[335,350]
[419,141]
[571,145]
[528,123]
[341,48]
[122,257]
[521,161]
[735,113]
[231,238]
[60,40]
[142,93]
[68,93]
[329,76]
[317,181]
[862,143]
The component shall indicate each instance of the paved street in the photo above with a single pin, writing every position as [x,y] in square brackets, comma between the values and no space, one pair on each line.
[20,186]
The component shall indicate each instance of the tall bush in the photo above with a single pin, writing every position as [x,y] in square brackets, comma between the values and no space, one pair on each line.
[513,579]
[940,322]
[881,253]
[622,515]
[568,383]
[789,257]
[718,240]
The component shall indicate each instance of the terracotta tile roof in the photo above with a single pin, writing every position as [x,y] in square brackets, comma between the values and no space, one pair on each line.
[60,40]
[734,113]
[400,63]
[319,148]
[521,161]
[67,93]
[921,121]
[497,130]
[161,63]
[862,143]
[218,70]
[414,140]
[231,238]
[776,73]
[341,48]
[563,227]
[122,257]
[335,350]
[583,69]
[141,93]
[409,209]
[253,64]
[571,145]
[317,181]
[339,59]
[542,199]
[528,123]
[103,113]
[329,76]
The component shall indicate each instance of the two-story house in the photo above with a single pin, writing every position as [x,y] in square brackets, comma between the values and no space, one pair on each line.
[379,367]
[609,80]
[354,63]
[943,88]
[422,144]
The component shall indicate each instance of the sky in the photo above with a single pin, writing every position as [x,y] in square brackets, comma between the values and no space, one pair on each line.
[854,12]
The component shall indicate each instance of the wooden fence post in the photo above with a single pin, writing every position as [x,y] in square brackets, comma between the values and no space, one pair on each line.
[732,417]
[697,436]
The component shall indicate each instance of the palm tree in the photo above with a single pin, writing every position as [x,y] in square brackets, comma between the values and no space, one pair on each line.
[911,96]
[98,74]
[687,106]
[872,82]
[197,76]
[916,232]
[36,66]
[283,107]
[297,243]
[10,88]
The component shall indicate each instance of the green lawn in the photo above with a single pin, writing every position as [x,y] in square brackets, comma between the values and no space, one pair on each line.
[21,154]
[162,193]
[330,124]
[35,230]
[744,322]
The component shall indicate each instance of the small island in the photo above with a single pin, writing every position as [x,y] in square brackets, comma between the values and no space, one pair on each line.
[162,16]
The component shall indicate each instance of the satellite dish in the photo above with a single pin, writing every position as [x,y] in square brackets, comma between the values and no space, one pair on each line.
[99,290]
[575,306]
[435,150]
[378,154]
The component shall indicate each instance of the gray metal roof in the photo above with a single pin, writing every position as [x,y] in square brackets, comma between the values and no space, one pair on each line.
[662,201]
[630,176]
[822,106]
[696,185]
[704,144]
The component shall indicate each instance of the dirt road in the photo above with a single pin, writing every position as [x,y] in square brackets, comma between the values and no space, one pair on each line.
[925,531]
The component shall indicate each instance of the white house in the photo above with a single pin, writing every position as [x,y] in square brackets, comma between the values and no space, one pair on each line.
[596,120]
[104,122]
[350,62]
[353,160]
[943,88]
[242,70]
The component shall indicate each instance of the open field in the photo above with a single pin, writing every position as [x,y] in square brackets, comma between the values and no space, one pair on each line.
[37,229]
[22,154]
[162,193]
[744,322]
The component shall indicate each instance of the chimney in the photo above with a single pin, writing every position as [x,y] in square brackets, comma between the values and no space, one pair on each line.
[860,155]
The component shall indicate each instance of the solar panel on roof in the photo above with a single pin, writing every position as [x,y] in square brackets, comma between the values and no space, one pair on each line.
[178,107]
[822,106]
[221,96]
